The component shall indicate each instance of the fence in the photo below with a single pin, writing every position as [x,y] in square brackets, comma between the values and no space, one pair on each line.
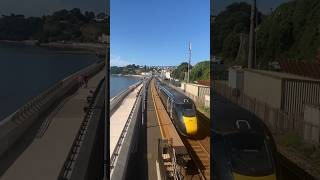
[127,142]
[85,158]
[277,121]
[168,161]
[202,100]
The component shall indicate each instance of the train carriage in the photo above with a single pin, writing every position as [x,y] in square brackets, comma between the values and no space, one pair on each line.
[242,144]
[180,108]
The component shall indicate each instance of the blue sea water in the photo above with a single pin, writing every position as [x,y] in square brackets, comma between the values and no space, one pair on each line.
[120,83]
[26,71]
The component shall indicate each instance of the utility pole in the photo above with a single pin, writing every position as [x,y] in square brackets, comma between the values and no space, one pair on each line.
[251,61]
[189,62]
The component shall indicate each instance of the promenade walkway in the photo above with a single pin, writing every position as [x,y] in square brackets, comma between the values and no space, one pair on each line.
[120,116]
[44,157]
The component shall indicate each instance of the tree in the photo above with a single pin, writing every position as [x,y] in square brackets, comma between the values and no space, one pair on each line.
[290,32]
[201,71]
[228,28]
[89,15]
[179,73]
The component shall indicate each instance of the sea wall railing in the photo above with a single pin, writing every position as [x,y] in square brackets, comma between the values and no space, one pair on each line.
[85,158]
[115,101]
[15,125]
[124,147]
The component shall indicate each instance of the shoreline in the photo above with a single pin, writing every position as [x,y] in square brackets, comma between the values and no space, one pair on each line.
[129,75]
[65,48]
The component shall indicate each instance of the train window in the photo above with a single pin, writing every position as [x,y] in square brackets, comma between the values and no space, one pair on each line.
[249,153]
[188,110]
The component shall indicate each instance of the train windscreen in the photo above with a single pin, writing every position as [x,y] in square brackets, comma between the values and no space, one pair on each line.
[188,110]
[250,153]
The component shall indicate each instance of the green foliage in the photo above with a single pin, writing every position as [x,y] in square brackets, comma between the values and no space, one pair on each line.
[129,69]
[62,25]
[201,71]
[227,29]
[290,32]
[17,27]
[179,73]
[116,70]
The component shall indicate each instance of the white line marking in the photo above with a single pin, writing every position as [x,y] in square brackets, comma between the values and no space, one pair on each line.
[158,170]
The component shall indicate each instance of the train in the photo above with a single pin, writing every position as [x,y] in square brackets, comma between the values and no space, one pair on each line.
[243,147]
[180,108]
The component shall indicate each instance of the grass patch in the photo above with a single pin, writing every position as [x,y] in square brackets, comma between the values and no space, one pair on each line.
[204,110]
[294,143]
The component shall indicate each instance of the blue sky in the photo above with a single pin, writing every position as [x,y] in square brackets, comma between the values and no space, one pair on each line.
[263,5]
[44,7]
[157,32]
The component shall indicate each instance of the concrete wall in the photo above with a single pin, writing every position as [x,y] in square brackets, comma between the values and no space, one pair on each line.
[262,87]
[311,130]
[235,78]
[192,89]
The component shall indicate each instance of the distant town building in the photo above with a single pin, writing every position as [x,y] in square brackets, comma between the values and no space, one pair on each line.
[146,73]
[166,73]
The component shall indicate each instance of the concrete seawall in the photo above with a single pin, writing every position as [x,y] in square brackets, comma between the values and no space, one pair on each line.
[15,125]
[115,101]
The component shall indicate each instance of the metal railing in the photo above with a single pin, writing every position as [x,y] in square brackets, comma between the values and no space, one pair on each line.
[15,125]
[115,101]
[165,147]
[77,143]
[120,141]
[277,120]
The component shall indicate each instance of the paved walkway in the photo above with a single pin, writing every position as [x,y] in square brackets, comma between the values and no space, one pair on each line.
[45,156]
[120,116]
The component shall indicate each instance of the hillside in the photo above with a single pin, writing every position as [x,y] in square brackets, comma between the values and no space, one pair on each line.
[230,27]
[64,25]
[290,32]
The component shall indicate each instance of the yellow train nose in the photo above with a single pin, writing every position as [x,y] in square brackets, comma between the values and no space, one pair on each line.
[191,125]
[243,177]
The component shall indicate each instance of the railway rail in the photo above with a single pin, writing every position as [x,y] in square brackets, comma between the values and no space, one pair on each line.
[198,147]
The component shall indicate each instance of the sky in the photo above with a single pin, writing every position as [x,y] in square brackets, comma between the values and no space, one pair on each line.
[45,7]
[157,32]
[263,5]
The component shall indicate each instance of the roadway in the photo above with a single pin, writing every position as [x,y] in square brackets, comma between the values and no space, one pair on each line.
[42,152]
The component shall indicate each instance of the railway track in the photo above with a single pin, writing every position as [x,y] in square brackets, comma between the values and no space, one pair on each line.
[199,147]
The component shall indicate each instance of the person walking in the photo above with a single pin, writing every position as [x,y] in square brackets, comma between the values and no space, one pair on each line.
[80,80]
[86,78]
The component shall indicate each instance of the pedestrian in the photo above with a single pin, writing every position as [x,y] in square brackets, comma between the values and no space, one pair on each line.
[86,78]
[80,81]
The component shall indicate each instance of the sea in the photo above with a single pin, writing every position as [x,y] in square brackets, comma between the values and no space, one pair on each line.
[26,71]
[120,83]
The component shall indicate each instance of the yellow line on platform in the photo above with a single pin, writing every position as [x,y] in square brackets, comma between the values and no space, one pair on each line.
[155,108]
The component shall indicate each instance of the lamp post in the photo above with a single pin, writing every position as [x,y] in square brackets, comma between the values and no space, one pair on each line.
[188,80]
[251,61]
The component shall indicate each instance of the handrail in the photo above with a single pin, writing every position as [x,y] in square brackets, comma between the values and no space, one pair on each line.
[116,151]
[76,145]
[23,118]
[114,102]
